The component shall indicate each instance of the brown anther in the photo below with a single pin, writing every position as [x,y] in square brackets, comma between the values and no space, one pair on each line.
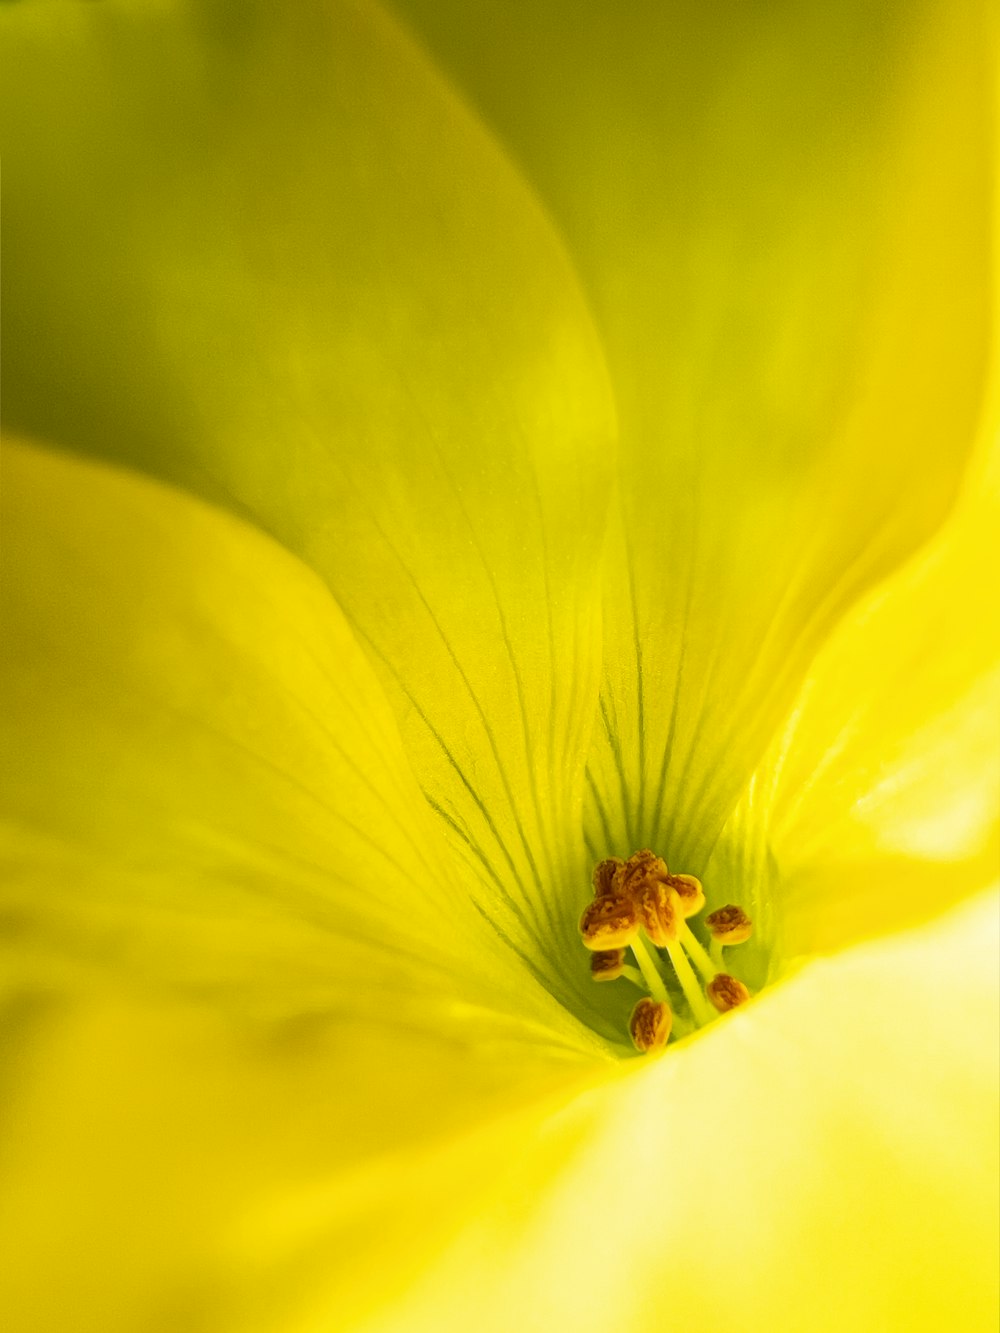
[726,992]
[658,912]
[607,964]
[690,893]
[641,868]
[650,1024]
[729,925]
[609,922]
[604,874]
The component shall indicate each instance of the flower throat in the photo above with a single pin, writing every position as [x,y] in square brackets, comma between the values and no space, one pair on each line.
[638,903]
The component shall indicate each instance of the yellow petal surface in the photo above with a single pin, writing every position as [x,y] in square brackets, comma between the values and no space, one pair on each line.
[264,252]
[823,1159]
[825,1156]
[238,961]
[780,213]
[169,1168]
[207,792]
[880,802]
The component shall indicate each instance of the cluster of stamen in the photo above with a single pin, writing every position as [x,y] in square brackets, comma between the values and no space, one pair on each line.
[639,899]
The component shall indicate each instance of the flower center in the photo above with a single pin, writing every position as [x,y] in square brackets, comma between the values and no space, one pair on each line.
[639,905]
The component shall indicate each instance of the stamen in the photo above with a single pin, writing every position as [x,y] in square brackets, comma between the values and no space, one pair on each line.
[641,868]
[658,913]
[607,964]
[689,984]
[641,895]
[609,922]
[689,892]
[604,875]
[696,952]
[650,972]
[729,925]
[650,1024]
[727,993]
[633,974]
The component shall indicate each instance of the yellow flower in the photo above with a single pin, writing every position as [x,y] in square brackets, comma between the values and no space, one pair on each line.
[391,533]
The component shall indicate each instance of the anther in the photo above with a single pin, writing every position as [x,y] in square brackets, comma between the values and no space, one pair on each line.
[607,964]
[650,1024]
[726,992]
[604,874]
[640,869]
[639,904]
[609,922]
[690,893]
[658,913]
[729,925]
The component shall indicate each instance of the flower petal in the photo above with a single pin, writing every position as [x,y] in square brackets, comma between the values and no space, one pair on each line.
[208,793]
[879,804]
[238,960]
[187,1168]
[262,251]
[823,1159]
[167,1167]
[781,214]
